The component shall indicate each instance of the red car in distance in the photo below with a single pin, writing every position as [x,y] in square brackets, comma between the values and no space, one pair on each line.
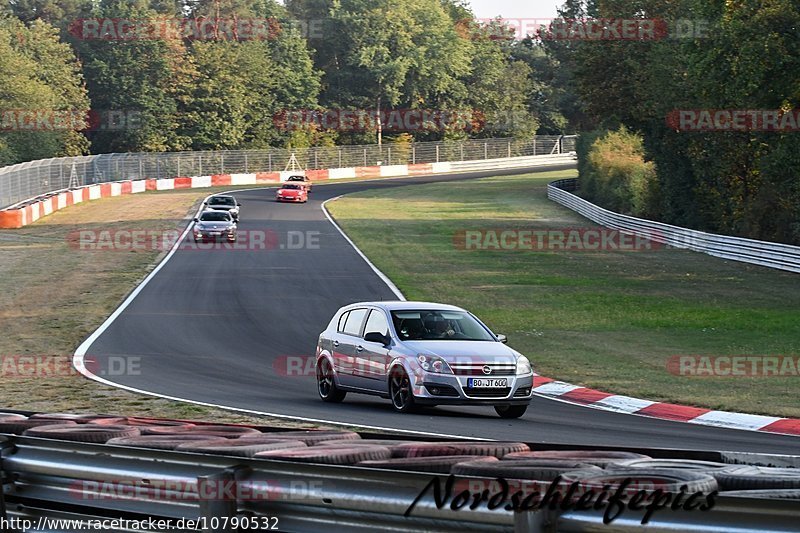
[292,192]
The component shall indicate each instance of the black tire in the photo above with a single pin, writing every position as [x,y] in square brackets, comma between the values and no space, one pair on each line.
[310,437]
[400,391]
[326,383]
[161,442]
[80,419]
[774,494]
[528,469]
[645,479]
[228,432]
[329,455]
[433,465]
[510,411]
[428,449]
[758,478]
[602,458]
[239,447]
[94,433]
[18,427]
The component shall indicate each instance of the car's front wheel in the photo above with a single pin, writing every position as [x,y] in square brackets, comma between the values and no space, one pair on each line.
[400,391]
[510,411]
[326,384]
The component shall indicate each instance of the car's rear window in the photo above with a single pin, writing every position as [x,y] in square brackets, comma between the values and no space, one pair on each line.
[215,217]
[221,201]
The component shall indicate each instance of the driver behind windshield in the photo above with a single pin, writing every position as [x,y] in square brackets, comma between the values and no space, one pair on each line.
[439,328]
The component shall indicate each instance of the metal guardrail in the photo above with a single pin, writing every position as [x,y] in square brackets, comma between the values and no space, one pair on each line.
[29,180]
[767,254]
[59,479]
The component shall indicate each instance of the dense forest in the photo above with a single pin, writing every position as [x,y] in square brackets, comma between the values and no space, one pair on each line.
[165,75]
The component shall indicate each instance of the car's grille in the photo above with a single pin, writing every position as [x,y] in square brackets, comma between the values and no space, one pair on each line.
[487,393]
[477,369]
[523,391]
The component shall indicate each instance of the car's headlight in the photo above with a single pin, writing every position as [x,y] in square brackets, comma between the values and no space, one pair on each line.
[432,363]
[523,366]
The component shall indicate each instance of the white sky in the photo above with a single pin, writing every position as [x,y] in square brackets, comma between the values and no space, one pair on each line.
[515,9]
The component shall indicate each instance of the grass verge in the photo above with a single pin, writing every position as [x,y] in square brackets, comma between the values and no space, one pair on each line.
[611,320]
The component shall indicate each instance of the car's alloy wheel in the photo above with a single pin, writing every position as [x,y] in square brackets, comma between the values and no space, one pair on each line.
[326,385]
[400,391]
[510,411]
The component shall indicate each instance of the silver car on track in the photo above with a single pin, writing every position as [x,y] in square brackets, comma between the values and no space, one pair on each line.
[420,354]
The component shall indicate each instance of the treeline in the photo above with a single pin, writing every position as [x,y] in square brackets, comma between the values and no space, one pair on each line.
[699,126]
[167,75]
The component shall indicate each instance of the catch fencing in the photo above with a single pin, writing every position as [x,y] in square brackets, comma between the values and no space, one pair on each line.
[25,181]
[767,254]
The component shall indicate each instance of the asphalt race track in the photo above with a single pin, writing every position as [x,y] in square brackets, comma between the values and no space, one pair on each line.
[217,327]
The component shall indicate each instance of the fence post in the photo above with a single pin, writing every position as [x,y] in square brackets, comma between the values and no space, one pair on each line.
[534,146]
[509,148]
[389,155]
[141,166]
[270,162]
[340,158]
[413,154]
[246,168]
[179,167]
[437,153]
[365,157]
[462,151]
[222,162]
[486,150]
[316,158]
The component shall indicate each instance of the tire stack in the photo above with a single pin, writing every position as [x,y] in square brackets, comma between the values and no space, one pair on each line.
[592,469]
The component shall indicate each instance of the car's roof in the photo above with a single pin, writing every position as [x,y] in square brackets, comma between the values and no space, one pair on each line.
[222,196]
[406,306]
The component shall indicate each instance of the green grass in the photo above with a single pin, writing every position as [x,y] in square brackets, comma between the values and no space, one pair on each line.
[608,320]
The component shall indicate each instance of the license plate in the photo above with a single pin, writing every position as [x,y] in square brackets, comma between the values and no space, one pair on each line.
[484,383]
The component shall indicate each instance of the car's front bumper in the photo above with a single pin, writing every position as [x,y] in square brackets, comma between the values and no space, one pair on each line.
[290,199]
[448,389]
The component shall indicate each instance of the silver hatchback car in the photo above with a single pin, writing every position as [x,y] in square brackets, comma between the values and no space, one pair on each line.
[420,354]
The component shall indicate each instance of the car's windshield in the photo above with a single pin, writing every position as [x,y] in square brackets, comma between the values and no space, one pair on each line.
[215,217]
[297,178]
[221,201]
[292,187]
[438,325]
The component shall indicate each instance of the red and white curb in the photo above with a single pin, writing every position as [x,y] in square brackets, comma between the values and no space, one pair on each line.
[665,411]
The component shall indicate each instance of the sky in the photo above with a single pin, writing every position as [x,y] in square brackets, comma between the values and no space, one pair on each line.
[515,9]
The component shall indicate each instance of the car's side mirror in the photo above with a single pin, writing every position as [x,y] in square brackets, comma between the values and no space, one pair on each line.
[238,205]
[502,338]
[376,337]
[197,220]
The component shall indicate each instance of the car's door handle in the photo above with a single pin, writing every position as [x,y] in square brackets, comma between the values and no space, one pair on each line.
[360,349]
[336,344]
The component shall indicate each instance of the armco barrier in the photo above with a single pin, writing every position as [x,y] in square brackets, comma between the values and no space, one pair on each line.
[767,254]
[25,213]
[60,479]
